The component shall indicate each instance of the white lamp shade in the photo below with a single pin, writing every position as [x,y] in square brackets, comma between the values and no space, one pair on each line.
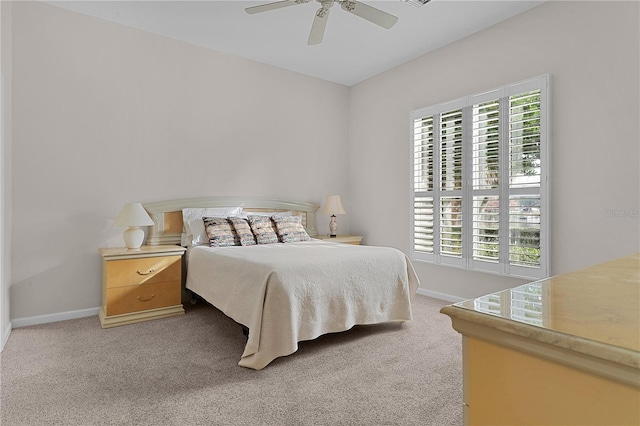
[333,205]
[133,215]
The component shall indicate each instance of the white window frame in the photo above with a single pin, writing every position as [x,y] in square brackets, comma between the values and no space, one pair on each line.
[503,267]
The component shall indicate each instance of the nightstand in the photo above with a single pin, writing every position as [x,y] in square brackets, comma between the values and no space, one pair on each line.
[345,239]
[140,285]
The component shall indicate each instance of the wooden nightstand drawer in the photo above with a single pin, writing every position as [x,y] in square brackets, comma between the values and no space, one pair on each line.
[148,270]
[124,300]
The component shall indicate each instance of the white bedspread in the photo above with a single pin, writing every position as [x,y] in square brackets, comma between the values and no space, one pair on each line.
[287,293]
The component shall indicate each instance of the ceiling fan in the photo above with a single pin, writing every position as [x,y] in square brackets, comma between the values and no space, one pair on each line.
[370,13]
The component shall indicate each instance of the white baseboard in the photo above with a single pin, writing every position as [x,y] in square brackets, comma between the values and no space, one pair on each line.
[61,316]
[440,296]
[5,336]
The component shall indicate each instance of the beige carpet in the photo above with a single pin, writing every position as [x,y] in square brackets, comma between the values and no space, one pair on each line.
[183,371]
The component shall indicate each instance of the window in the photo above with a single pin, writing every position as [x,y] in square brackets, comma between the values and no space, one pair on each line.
[479,181]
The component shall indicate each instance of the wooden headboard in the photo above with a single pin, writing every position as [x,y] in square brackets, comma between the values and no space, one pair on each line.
[167,215]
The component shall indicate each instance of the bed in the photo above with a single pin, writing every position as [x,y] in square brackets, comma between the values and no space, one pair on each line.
[285,293]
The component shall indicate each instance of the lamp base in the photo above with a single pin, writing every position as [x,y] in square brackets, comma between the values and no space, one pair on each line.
[333,226]
[133,237]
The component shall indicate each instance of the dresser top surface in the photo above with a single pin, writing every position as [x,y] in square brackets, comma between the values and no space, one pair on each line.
[600,303]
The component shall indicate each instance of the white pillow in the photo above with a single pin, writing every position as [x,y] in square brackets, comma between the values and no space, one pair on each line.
[193,233]
[245,214]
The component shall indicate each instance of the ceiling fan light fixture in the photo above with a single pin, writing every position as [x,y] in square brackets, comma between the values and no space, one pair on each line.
[347,5]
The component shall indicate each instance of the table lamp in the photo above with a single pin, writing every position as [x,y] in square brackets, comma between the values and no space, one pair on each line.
[333,206]
[134,216]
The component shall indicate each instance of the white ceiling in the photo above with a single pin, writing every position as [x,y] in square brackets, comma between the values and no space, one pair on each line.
[353,49]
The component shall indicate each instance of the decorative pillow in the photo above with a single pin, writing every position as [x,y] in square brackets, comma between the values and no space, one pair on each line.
[263,229]
[220,232]
[290,229]
[246,214]
[193,226]
[243,230]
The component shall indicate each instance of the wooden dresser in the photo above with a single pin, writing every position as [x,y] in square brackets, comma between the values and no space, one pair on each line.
[560,351]
[140,285]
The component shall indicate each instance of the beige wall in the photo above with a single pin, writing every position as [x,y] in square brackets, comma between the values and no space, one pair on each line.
[591,50]
[5,170]
[104,114]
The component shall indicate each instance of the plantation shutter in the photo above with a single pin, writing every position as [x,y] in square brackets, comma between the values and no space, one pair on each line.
[451,170]
[479,181]
[423,178]
[486,181]
[524,179]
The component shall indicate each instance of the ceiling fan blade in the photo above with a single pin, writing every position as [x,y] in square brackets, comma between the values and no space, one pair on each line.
[319,24]
[272,6]
[370,13]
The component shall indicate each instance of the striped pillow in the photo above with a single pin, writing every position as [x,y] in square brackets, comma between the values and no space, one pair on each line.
[220,232]
[243,230]
[263,229]
[290,229]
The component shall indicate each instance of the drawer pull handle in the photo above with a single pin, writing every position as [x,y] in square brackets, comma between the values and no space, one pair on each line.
[142,299]
[151,271]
